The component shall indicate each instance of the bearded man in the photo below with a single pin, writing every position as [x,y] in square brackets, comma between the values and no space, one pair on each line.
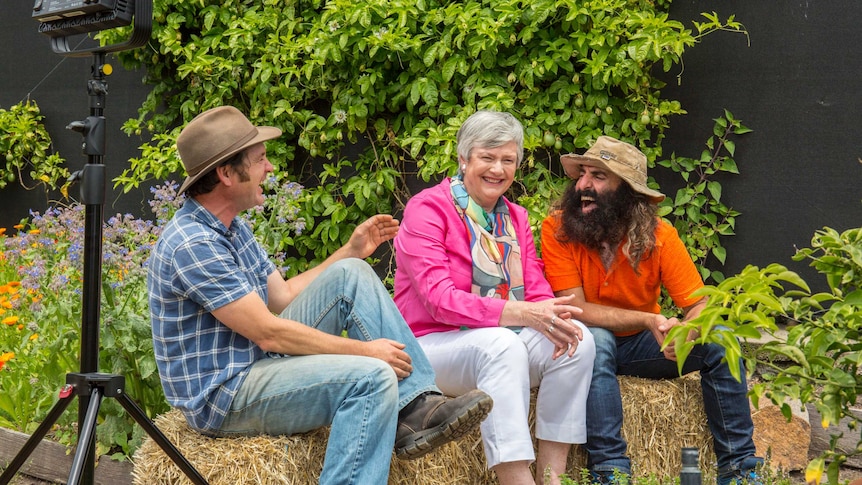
[605,245]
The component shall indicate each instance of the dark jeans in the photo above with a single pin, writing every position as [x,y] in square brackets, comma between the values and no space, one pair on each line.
[725,399]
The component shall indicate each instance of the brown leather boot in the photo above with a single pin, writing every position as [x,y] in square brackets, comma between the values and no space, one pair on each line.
[432,420]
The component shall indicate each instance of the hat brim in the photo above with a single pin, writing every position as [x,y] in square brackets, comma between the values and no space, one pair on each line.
[264,133]
[572,166]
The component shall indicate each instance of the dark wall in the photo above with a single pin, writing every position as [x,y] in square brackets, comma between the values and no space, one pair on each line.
[798,86]
[795,80]
[29,68]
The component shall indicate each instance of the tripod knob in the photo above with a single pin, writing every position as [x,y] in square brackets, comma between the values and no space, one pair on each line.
[93,129]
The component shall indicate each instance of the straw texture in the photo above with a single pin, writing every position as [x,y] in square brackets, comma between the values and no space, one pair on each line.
[660,417]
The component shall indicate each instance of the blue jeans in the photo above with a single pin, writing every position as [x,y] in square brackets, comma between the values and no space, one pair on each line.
[359,397]
[725,399]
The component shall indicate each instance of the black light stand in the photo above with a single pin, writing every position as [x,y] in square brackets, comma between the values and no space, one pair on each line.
[89,385]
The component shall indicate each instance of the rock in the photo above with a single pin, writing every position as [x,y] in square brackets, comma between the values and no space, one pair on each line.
[786,443]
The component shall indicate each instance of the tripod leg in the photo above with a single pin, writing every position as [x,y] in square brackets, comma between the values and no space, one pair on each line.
[164,443]
[85,437]
[66,396]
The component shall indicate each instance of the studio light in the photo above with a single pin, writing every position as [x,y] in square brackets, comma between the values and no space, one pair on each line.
[69,17]
[63,19]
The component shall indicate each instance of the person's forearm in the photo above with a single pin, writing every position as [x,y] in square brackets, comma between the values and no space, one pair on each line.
[284,336]
[514,314]
[693,311]
[614,319]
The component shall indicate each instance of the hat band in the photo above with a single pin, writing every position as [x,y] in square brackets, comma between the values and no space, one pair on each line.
[226,152]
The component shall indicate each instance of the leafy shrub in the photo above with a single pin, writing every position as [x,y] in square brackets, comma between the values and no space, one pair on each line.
[697,211]
[371,94]
[819,361]
[27,146]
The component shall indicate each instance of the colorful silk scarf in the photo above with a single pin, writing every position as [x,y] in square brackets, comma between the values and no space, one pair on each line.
[496,254]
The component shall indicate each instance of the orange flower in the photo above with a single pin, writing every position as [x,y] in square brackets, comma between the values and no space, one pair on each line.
[6,357]
[33,231]
[18,226]
[2,231]
[14,284]
[11,320]
[34,336]
[5,303]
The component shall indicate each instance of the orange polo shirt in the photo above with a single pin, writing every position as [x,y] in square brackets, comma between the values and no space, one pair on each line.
[571,265]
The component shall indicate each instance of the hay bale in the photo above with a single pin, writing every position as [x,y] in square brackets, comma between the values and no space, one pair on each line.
[660,417]
[296,459]
[256,459]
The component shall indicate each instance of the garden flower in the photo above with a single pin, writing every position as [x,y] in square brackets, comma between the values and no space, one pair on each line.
[6,357]
[2,231]
[10,320]
[814,471]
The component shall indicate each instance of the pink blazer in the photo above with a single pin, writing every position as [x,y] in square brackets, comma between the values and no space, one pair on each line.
[434,271]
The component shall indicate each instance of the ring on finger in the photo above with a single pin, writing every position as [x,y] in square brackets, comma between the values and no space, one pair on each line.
[550,329]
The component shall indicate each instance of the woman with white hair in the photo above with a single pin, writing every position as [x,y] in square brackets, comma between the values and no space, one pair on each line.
[472,289]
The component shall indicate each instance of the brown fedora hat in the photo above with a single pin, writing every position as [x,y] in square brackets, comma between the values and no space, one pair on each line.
[214,136]
[619,157]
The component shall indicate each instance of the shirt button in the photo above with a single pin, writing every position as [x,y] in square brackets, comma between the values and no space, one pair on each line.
[606,283]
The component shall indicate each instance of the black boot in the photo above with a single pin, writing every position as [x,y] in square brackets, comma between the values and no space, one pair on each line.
[432,420]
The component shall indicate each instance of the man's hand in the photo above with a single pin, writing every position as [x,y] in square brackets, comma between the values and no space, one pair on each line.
[660,328]
[370,234]
[392,353]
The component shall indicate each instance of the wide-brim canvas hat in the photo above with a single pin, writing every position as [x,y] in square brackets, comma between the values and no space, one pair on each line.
[616,156]
[214,136]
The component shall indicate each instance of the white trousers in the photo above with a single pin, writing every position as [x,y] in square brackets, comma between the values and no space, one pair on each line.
[506,365]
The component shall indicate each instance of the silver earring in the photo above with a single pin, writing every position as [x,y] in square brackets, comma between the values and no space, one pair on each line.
[463,167]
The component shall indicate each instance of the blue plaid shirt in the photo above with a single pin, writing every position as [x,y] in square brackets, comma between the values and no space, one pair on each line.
[196,267]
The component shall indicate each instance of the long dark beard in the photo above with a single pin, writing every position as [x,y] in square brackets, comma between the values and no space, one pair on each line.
[606,223]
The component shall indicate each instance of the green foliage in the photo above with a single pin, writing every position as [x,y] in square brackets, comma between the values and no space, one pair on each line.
[819,360]
[41,269]
[370,95]
[697,212]
[27,146]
